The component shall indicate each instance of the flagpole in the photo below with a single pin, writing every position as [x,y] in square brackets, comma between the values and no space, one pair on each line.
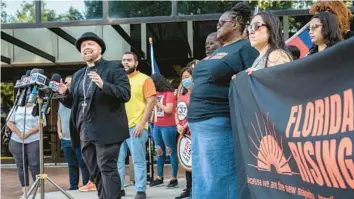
[152,71]
[151,57]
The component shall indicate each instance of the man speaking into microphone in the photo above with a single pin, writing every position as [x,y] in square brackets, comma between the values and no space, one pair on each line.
[96,96]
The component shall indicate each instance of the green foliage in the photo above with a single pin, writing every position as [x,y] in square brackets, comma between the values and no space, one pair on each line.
[272,5]
[120,9]
[94,9]
[207,7]
[4,15]
[7,95]
[139,8]
[204,7]
[27,14]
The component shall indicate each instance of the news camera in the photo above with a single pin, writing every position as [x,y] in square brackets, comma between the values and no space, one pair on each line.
[34,86]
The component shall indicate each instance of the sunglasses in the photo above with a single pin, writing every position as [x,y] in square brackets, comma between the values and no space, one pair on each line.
[314,27]
[255,26]
[221,23]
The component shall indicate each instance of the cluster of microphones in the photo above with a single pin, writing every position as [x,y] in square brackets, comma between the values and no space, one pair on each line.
[33,84]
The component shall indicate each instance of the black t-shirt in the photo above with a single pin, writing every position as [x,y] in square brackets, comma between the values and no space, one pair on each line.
[212,76]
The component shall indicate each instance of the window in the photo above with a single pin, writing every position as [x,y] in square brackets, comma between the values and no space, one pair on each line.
[71,10]
[203,7]
[17,11]
[128,9]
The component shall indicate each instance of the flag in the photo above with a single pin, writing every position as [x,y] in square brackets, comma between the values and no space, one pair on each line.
[154,66]
[302,40]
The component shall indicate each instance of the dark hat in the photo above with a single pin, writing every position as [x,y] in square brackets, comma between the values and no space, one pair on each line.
[90,36]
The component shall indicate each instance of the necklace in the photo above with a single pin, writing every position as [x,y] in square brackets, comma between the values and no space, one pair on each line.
[84,91]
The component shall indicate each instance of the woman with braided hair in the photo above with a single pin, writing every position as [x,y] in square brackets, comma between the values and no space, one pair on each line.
[213,155]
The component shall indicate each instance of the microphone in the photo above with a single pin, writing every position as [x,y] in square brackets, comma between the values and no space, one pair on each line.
[19,83]
[28,75]
[54,87]
[22,97]
[25,80]
[54,83]
[37,77]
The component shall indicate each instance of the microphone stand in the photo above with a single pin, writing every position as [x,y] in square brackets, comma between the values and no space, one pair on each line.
[40,179]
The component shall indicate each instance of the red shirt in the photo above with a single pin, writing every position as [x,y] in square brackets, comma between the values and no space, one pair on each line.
[162,118]
[182,110]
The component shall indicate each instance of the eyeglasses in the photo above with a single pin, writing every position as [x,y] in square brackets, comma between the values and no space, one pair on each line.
[314,27]
[255,26]
[221,23]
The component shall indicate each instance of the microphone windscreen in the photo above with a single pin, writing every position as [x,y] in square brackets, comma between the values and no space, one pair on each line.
[35,70]
[41,71]
[23,77]
[56,77]
[28,73]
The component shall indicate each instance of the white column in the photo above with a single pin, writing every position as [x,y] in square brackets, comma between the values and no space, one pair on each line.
[143,39]
[190,36]
[286,27]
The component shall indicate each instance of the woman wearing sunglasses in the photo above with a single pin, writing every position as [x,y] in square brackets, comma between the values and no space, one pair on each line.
[265,34]
[340,10]
[213,160]
[324,31]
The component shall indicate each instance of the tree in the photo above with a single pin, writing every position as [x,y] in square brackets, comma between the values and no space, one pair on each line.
[27,14]
[6,104]
[272,5]
[3,13]
[71,15]
[204,7]
[7,96]
[207,7]
[139,8]
[126,9]
[93,9]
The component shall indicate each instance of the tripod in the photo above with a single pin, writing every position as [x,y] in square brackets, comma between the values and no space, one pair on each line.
[40,179]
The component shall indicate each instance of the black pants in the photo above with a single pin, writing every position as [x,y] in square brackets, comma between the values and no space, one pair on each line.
[189,180]
[31,160]
[101,161]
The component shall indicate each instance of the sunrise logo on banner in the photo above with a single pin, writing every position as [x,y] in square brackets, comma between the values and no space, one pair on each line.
[302,40]
[270,152]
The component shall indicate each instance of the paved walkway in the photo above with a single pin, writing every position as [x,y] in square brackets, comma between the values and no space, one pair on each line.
[160,192]
[10,185]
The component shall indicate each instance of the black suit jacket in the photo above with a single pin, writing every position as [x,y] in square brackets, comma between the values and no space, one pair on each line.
[105,113]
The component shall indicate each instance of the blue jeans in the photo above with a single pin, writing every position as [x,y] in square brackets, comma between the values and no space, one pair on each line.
[165,138]
[74,159]
[137,147]
[213,160]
